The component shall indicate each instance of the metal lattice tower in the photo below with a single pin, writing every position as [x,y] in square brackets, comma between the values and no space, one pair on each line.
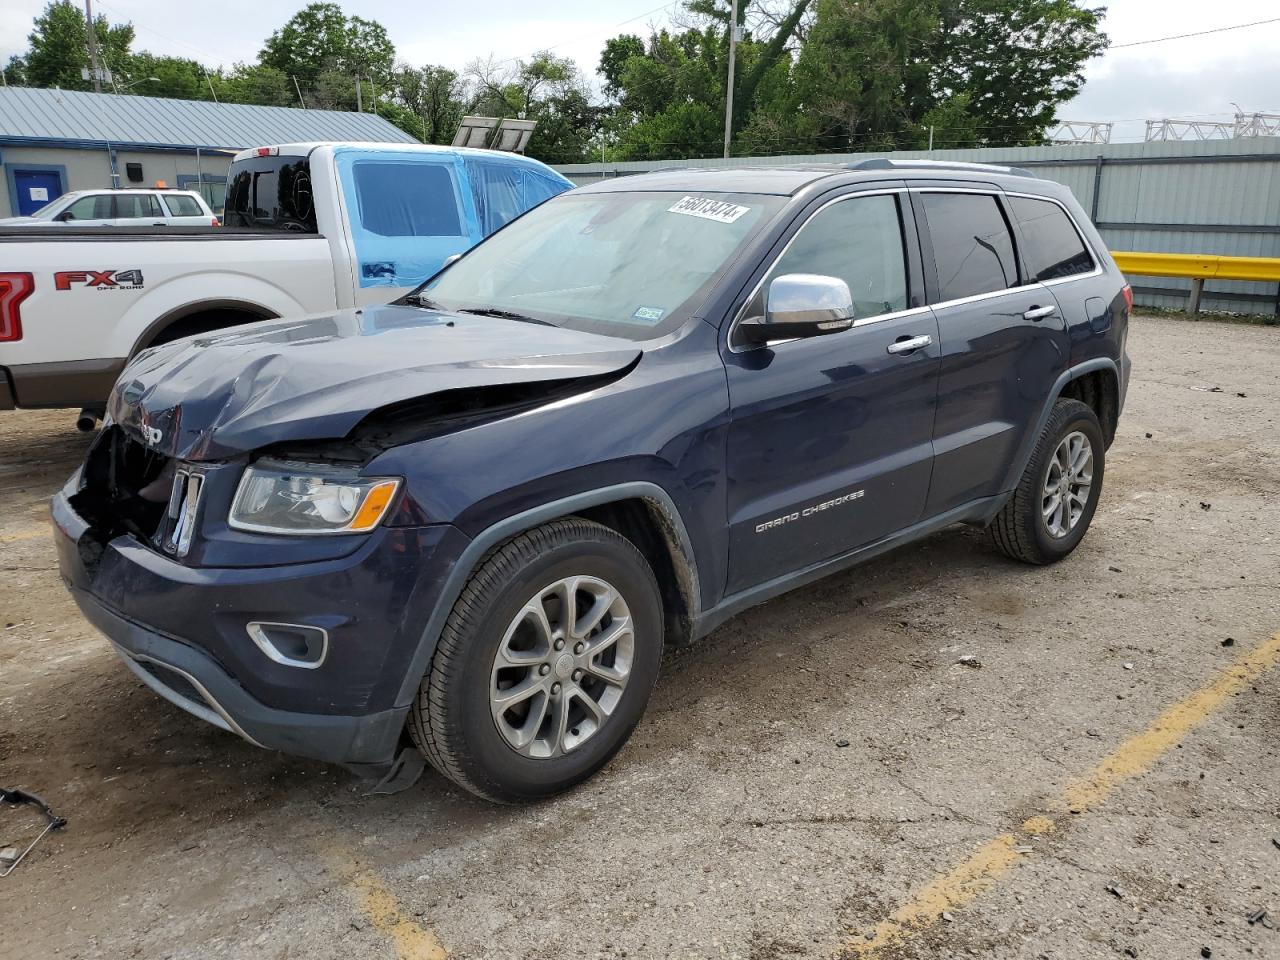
[1244,125]
[1080,131]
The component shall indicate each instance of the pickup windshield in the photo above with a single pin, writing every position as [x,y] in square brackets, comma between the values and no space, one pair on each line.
[634,265]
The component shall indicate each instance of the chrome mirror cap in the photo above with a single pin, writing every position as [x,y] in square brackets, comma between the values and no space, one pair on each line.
[802,305]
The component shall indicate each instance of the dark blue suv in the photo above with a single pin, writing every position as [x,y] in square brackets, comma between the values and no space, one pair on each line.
[468,522]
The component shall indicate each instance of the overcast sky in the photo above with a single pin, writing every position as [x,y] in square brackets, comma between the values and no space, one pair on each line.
[1197,77]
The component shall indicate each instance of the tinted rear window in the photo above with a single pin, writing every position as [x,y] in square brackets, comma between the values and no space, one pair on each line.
[972,246]
[270,193]
[1053,247]
[399,199]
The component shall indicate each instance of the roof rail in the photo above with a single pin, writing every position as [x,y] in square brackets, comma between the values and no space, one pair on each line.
[884,163]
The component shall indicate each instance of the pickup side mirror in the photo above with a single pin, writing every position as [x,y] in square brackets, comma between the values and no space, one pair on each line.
[64,216]
[801,305]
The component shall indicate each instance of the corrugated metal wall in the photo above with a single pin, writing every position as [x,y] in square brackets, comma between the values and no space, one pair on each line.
[1220,197]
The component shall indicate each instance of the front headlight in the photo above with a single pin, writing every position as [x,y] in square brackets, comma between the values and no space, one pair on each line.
[277,496]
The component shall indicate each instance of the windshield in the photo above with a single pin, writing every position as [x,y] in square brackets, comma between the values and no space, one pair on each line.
[632,265]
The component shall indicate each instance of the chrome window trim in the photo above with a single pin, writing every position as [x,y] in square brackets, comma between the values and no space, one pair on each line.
[740,315]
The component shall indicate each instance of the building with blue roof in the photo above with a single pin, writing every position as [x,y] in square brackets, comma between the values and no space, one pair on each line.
[52,141]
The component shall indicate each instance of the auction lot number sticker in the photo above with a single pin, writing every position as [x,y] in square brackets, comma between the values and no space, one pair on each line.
[708,209]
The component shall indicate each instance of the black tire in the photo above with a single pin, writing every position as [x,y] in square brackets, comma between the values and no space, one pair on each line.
[1020,529]
[451,720]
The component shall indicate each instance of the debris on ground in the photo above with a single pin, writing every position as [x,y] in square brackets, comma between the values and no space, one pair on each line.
[1261,916]
[1130,951]
[1205,506]
[1148,436]
[1206,952]
[1115,891]
[969,660]
[1128,666]
[948,918]
[1115,569]
[1229,642]
[52,822]
[842,743]
[1091,732]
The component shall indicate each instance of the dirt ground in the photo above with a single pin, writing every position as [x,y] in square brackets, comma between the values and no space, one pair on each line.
[735,824]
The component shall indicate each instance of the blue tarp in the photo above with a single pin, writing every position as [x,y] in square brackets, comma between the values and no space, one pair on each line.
[410,211]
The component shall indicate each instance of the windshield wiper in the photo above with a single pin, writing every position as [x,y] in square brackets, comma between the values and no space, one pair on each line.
[504,314]
[422,300]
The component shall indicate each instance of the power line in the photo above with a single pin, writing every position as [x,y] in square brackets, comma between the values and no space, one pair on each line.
[1198,33]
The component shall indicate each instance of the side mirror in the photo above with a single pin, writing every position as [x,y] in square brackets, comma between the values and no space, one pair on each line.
[801,305]
[64,216]
[451,260]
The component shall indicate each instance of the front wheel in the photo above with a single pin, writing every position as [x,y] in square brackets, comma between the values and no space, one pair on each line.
[545,664]
[1050,511]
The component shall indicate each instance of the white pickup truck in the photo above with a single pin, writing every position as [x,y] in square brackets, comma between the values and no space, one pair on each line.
[307,228]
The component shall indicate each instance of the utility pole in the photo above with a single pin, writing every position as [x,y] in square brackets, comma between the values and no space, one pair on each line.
[728,95]
[359,97]
[93,46]
[302,102]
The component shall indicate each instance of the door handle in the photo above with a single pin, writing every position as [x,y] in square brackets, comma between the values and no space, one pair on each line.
[1039,313]
[909,344]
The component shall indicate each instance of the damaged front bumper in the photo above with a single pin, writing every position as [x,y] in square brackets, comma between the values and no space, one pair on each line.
[182,630]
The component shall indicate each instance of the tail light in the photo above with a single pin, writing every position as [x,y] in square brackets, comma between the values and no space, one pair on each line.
[1128,297]
[14,288]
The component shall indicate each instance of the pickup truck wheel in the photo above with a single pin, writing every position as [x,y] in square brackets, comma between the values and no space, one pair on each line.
[545,664]
[1050,511]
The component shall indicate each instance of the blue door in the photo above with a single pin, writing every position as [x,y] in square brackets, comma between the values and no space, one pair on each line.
[830,445]
[35,189]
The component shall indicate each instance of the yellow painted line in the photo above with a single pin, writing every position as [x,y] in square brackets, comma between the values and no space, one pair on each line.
[374,898]
[33,534]
[966,881]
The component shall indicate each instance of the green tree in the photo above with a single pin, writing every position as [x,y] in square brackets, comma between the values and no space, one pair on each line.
[548,89]
[60,47]
[320,38]
[432,101]
[877,74]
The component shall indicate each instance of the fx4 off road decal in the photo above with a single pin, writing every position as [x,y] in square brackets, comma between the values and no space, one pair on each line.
[99,279]
[809,511]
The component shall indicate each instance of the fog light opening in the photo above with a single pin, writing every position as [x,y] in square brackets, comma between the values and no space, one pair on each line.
[290,644]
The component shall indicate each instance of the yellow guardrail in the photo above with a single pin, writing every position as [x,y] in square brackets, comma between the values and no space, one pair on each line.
[1198,267]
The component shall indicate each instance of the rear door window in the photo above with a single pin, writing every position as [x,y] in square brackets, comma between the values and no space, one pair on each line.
[137,206]
[1053,247]
[182,206]
[972,244]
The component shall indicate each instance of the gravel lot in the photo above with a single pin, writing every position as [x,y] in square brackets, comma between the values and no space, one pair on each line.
[736,824]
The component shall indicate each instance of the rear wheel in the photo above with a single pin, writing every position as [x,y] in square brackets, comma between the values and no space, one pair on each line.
[1053,505]
[545,664]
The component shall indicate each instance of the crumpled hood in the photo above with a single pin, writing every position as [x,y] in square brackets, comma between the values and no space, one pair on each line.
[219,395]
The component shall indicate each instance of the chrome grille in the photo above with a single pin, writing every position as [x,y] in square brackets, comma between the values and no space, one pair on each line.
[184,508]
